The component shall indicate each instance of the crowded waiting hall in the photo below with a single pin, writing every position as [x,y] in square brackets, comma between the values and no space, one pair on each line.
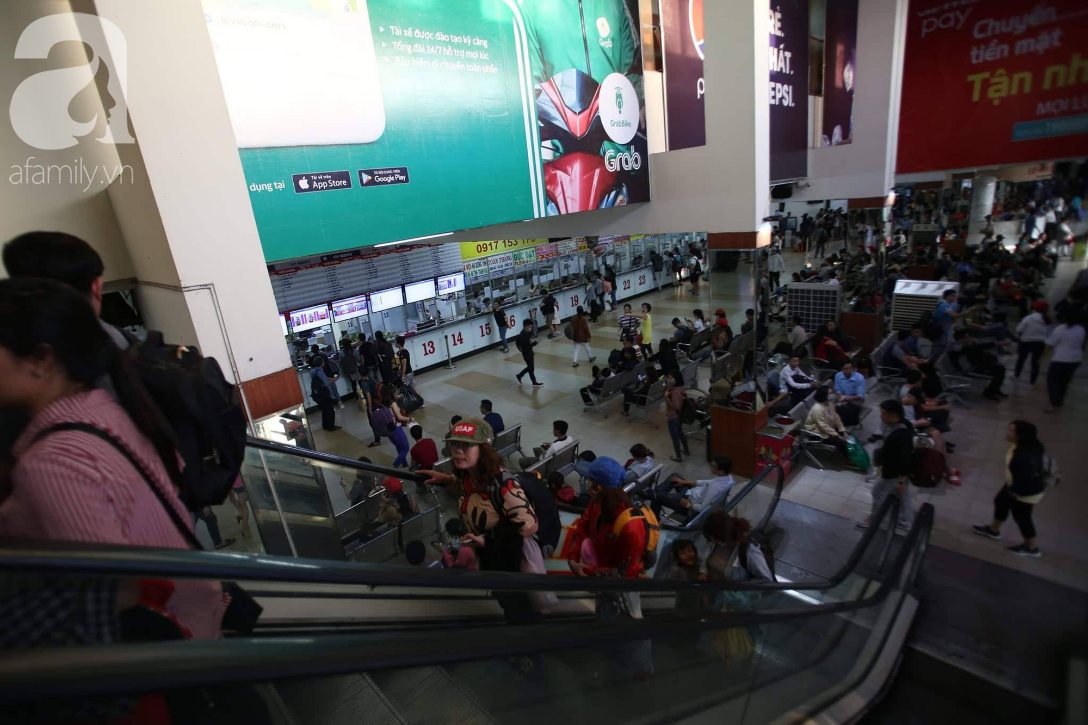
[502,362]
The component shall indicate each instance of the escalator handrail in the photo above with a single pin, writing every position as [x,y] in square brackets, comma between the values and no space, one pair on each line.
[696,522]
[332,459]
[63,558]
[154,667]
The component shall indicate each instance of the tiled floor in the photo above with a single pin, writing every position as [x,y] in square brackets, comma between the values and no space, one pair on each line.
[978,432]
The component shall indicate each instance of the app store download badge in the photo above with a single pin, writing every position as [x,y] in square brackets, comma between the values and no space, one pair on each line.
[321,181]
[388,176]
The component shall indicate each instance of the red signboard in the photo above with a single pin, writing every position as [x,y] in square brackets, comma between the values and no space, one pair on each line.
[993,83]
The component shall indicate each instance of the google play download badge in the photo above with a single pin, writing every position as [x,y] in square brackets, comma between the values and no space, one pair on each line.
[388,176]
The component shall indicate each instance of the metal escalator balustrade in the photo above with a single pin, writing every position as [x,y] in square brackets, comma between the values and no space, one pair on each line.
[783,664]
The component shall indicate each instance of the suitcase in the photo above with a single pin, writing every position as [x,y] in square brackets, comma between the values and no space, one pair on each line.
[929,467]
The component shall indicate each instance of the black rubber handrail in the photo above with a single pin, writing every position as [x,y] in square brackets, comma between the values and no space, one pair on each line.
[137,668]
[272,446]
[61,558]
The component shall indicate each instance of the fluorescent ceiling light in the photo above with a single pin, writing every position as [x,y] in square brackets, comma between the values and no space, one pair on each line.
[415,239]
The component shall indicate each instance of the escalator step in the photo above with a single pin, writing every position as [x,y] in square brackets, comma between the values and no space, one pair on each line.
[337,700]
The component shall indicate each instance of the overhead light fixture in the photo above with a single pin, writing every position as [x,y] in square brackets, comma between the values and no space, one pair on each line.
[415,239]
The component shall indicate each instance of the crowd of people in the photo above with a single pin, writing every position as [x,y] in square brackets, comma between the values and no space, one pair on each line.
[90,457]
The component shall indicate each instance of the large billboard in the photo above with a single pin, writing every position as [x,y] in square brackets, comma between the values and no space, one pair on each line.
[788,32]
[367,121]
[994,83]
[682,48]
[840,56]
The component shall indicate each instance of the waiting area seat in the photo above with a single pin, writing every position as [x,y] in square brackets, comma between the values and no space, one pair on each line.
[509,441]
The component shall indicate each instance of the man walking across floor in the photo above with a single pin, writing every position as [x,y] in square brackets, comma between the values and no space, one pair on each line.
[524,343]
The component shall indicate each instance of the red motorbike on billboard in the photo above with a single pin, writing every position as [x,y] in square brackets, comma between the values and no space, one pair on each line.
[582,175]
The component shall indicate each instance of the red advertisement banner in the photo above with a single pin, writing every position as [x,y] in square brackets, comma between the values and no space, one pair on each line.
[993,83]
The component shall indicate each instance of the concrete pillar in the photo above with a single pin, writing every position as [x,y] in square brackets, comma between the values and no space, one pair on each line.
[185,216]
[983,187]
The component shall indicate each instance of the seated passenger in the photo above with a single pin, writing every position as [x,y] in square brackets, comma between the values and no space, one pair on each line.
[559,488]
[849,394]
[394,506]
[637,391]
[683,333]
[547,450]
[829,344]
[641,463]
[913,415]
[825,422]
[688,498]
[599,377]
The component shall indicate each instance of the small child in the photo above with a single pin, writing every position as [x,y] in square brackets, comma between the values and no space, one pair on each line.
[424,453]
[395,505]
[686,567]
[560,490]
[455,555]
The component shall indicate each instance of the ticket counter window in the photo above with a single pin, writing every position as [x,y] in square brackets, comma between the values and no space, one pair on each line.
[420,309]
[387,312]
[352,315]
[451,303]
[310,326]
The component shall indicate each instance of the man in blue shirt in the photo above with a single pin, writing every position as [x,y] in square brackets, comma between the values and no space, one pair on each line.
[946,311]
[493,419]
[850,392]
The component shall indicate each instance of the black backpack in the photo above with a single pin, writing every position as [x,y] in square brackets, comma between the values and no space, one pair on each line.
[203,410]
[549,527]
[687,411]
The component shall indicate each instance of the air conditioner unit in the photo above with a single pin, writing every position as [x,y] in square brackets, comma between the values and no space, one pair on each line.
[914,298]
[923,235]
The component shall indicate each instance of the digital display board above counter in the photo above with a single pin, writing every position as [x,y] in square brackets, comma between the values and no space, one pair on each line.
[451,283]
[349,308]
[386,299]
[310,318]
[420,291]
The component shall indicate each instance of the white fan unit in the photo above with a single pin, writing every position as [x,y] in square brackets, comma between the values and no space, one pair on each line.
[914,298]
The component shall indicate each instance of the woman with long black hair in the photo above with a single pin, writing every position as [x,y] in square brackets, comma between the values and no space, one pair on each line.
[1023,488]
[89,467]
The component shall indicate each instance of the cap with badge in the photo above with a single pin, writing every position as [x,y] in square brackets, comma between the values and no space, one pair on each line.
[471,430]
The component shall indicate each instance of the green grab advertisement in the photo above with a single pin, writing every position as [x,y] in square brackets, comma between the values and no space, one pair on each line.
[361,122]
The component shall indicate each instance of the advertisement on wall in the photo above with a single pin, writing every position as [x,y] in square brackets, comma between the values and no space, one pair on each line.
[1011,77]
[367,121]
[682,48]
[788,32]
[840,53]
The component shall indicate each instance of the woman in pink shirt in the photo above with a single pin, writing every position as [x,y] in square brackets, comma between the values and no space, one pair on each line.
[74,485]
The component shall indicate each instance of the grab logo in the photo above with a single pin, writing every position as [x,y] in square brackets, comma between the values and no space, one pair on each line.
[619,108]
[614,161]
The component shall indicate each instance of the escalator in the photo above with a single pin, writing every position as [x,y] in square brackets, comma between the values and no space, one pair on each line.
[342,640]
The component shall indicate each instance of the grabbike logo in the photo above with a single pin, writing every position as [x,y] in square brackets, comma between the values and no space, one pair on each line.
[39,107]
[619,108]
[616,160]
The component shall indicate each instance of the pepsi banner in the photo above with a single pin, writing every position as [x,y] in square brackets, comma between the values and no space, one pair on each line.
[682,48]
[788,32]
[840,49]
